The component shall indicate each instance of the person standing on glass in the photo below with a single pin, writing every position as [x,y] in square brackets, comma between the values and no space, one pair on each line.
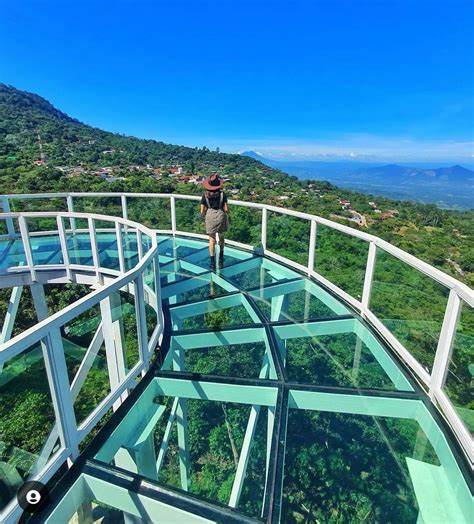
[216,213]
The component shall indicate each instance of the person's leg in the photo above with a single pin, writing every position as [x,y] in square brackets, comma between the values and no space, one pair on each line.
[212,247]
[221,249]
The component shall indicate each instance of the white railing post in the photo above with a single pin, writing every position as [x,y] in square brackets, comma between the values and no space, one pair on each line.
[157,279]
[264,229]
[63,242]
[123,201]
[140,312]
[369,275]
[56,371]
[25,238]
[70,209]
[112,329]
[445,343]
[121,255]
[9,221]
[312,246]
[139,245]
[173,214]
[94,250]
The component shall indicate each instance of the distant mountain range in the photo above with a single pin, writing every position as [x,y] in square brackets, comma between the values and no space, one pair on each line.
[448,187]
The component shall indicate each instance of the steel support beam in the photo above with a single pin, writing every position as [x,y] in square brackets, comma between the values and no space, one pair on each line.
[369,275]
[445,343]
[113,337]
[56,370]
[10,315]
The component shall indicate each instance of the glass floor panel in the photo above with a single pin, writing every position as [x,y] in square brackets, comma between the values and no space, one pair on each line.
[177,270]
[243,353]
[201,287]
[256,273]
[338,353]
[368,460]
[296,301]
[197,441]
[94,500]
[215,314]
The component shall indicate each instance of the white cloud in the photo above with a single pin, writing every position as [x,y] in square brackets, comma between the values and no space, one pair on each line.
[355,146]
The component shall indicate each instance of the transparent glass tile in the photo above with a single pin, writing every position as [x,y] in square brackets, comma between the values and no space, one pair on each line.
[410,304]
[460,376]
[297,301]
[79,248]
[255,273]
[338,353]
[46,250]
[214,314]
[193,443]
[385,463]
[26,420]
[235,353]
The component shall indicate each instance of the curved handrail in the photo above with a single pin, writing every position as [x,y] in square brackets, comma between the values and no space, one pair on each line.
[464,291]
[458,291]
[34,334]
[47,330]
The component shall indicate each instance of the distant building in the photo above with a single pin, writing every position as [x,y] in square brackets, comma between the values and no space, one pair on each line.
[373,205]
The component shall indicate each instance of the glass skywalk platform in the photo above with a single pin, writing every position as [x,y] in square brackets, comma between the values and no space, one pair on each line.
[269,399]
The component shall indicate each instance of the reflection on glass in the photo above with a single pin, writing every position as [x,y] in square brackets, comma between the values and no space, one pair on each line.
[338,353]
[341,259]
[26,420]
[79,248]
[297,301]
[459,383]
[46,250]
[293,246]
[410,304]
[342,467]
[243,353]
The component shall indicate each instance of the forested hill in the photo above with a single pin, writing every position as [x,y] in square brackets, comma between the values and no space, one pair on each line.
[42,149]
[31,129]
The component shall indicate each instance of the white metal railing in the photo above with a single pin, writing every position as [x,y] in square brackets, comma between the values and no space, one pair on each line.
[47,332]
[458,292]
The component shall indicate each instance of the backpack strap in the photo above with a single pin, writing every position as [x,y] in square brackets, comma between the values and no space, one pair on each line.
[221,206]
[207,202]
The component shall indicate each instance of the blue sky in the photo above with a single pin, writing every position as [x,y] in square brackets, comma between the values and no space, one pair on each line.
[373,79]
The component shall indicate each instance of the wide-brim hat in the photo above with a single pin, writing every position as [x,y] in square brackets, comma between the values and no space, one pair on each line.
[213,183]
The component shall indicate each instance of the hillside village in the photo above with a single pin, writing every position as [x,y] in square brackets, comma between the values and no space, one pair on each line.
[344,210]
[44,150]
